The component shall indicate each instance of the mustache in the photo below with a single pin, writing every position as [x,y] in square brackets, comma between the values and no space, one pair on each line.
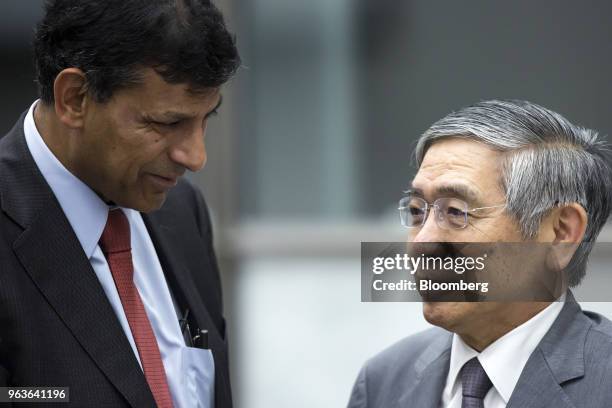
[437,249]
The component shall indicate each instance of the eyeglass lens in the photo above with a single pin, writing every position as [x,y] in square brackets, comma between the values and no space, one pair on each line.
[448,212]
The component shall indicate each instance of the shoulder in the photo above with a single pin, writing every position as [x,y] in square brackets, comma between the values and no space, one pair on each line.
[594,362]
[389,373]
[403,360]
[598,344]
[406,351]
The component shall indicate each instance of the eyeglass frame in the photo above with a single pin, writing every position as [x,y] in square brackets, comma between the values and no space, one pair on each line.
[436,208]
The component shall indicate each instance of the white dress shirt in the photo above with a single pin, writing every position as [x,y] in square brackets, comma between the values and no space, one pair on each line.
[503,360]
[189,371]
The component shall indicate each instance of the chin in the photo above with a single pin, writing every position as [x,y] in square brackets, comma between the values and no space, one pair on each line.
[144,204]
[446,315]
[152,204]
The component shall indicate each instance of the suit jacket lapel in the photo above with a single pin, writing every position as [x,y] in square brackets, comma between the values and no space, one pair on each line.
[178,275]
[430,370]
[558,358]
[50,253]
[537,387]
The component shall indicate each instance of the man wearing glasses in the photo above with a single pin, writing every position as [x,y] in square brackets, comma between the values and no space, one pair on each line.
[512,172]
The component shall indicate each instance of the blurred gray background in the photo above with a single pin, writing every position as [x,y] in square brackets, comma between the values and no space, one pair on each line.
[313,147]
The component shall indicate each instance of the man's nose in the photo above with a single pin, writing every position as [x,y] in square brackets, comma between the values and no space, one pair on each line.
[430,231]
[189,150]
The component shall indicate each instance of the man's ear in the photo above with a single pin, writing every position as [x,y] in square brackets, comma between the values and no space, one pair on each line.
[567,227]
[70,94]
[569,223]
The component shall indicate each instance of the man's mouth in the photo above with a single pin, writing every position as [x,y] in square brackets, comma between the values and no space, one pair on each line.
[164,182]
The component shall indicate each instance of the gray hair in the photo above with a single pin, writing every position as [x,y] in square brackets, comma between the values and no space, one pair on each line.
[549,162]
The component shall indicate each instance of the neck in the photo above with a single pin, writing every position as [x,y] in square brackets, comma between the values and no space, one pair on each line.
[502,321]
[62,141]
[50,130]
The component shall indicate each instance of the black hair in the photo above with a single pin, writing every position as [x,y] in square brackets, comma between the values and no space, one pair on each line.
[185,41]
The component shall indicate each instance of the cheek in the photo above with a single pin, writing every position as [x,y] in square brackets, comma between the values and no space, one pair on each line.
[507,229]
[493,229]
[147,144]
[137,151]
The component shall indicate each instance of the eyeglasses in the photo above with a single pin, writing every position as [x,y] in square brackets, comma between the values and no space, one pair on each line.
[449,213]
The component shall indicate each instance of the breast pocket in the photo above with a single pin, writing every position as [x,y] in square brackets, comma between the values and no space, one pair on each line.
[198,369]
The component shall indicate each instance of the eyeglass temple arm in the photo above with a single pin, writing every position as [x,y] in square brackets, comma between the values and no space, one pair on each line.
[484,208]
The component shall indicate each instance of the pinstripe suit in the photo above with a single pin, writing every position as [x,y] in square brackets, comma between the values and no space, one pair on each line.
[570,368]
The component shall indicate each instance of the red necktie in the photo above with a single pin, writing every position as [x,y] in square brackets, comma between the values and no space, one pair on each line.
[115,243]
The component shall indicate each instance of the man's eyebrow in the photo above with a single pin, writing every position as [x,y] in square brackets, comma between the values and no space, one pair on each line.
[415,191]
[174,115]
[461,191]
[171,115]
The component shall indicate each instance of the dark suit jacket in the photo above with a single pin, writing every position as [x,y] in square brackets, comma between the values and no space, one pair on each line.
[570,368]
[57,327]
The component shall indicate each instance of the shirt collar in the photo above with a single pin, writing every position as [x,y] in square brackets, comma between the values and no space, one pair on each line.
[85,211]
[504,359]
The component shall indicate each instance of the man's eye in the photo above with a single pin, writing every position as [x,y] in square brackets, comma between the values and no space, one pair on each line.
[166,124]
[415,211]
[455,212]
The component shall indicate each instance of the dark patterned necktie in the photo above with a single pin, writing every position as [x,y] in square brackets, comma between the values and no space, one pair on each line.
[475,383]
[115,243]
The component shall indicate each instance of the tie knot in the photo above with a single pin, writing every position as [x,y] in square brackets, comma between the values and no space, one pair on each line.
[474,379]
[116,235]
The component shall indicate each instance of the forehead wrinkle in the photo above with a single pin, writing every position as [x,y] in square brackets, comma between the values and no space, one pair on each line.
[449,169]
[449,164]
[188,113]
[449,179]
[156,95]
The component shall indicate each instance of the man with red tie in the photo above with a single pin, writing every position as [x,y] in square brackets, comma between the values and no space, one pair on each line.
[108,279]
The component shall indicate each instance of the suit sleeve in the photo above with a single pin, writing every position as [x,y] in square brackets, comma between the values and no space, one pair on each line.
[359,396]
[4,376]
